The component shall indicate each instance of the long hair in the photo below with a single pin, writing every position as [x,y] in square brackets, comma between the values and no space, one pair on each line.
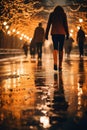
[58,14]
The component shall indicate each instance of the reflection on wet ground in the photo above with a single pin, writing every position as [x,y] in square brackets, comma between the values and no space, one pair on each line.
[34,97]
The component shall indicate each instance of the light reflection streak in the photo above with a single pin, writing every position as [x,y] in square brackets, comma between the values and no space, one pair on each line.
[21,68]
[45,121]
[80,92]
[44,111]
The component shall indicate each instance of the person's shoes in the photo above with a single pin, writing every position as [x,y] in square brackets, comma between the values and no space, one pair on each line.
[55,67]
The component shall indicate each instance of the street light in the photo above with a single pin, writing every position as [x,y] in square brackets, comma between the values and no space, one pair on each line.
[4,23]
[78,27]
[9,32]
[7,26]
[13,30]
[80,20]
[71,30]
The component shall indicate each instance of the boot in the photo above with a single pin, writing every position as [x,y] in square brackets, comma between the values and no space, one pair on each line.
[55,52]
[60,60]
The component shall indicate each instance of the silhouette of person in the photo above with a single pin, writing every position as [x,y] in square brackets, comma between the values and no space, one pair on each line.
[68,44]
[39,39]
[59,28]
[81,39]
[25,48]
[32,48]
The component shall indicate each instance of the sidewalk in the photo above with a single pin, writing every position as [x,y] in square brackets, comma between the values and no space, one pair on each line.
[35,97]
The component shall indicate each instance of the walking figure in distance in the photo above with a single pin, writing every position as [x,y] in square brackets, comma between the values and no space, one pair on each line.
[80,41]
[32,48]
[68,44]
[59,29]
[25,48]
[39,39]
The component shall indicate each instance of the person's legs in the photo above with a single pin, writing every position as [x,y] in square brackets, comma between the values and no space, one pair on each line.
[61,44]
[60,59]
[55,51]
[39,50]
[68,51]
[58,43]
[81,47]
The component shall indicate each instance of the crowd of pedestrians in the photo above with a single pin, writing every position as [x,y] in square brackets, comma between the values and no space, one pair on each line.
[61,40]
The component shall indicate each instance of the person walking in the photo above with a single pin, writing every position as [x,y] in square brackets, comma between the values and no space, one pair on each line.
[57,21]
[80,40]
[32,48]
[68,45]
[25,48]
[39,39]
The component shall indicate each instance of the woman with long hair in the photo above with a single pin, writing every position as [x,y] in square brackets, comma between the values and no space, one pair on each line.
[59,29]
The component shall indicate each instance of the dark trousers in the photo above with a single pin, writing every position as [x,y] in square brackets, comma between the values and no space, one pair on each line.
[58,41]
[39,50]
[81,48]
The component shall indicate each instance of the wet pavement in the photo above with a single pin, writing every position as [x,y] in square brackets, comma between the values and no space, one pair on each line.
[35,97]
